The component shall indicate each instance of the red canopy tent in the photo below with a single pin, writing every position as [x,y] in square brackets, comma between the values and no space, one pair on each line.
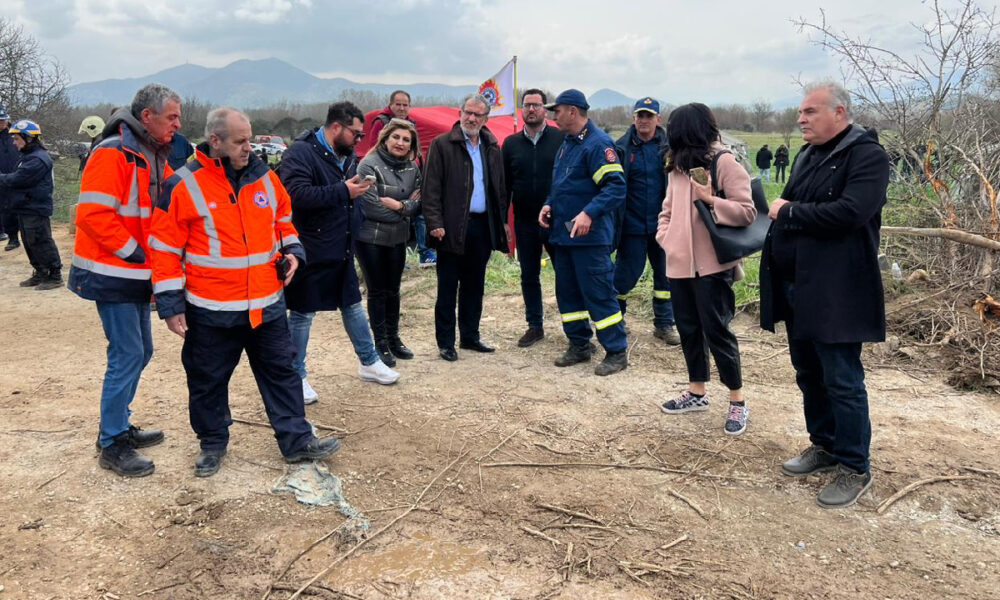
[431,122]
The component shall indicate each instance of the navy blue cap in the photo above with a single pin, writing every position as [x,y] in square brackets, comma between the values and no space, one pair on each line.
[3,113]
[646,103]
[570,97]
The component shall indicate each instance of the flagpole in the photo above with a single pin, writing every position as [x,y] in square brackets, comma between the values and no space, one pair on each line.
[515,93]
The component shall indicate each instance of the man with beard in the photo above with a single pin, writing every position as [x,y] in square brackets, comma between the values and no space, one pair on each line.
[466,206]
[527,165]
[319,171]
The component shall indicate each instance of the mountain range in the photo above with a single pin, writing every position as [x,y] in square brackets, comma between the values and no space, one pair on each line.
[259,83]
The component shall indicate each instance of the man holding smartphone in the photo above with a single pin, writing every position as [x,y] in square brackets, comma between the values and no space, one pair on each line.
[588,188]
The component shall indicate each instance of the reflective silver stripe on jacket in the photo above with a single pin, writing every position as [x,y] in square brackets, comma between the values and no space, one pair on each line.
[111,270]
[98,198]
[269,188]
[291,239]
[156,244]
[229,262]
[201,206]
[127,250]
[251,304]
[168,285]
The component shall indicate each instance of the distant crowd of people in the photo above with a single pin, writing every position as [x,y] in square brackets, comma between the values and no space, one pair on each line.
[241,257]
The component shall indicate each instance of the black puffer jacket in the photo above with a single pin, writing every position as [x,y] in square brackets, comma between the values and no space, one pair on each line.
[396,179]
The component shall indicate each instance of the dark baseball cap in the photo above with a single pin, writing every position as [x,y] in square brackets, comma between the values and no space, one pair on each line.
[647,104]
[570,97]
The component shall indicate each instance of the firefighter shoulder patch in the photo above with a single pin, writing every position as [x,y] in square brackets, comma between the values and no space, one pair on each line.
[610,155]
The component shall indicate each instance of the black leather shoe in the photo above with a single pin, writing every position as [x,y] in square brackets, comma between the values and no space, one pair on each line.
[612,363]
[13,245]
[476,346]
[532,335]
[122,458]
[398,349]
[208,462]
[315,449]
[575,354]
[383,352]
[145,438]
[449,354]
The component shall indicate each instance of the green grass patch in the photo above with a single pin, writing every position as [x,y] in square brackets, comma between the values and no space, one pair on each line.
[65,172]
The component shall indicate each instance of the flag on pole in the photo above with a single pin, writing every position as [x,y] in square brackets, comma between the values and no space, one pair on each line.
[499,90]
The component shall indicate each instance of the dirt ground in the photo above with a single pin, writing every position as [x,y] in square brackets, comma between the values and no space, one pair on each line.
[641,481]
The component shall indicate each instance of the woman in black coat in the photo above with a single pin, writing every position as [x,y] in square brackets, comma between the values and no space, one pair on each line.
[780,163]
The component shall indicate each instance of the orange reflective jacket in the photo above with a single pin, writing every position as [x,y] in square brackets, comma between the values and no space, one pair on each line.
[112,220]
[218,245]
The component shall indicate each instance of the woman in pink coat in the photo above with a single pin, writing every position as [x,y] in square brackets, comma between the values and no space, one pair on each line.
[701,287]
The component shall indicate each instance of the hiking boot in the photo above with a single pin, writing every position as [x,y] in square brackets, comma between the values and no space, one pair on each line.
[315,449]
[382,346]
[36,278]
[686,402]
[378,372]
[532,335]
[122,458]
[309,395]
[208,462]
[813,459]
[398,349]
[736,420]
[575,354]
[51,281]
[612,363]
[668,334]
[845,489]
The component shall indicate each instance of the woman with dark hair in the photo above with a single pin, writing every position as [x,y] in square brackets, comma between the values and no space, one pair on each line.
[701,287]
[386,210]
[29,189]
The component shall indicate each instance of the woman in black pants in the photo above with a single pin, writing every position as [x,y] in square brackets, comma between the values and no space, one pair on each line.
[386,210]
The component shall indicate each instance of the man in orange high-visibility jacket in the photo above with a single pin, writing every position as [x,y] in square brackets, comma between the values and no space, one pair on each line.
[223,245]
[110,264]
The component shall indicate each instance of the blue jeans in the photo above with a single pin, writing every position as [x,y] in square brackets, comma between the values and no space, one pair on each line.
[355,324]
[765,175]
[130,346]
[531,238]
[420,233]
[834,398]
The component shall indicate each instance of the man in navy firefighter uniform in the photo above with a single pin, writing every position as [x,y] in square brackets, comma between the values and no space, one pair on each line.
[643,149]
[588,188]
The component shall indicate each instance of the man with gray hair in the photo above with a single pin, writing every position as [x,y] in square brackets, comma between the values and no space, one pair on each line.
[223,247]
[819,273]
[465,205]
[110,266]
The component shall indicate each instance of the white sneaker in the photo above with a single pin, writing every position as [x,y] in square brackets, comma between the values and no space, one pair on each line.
[308,393]
[378,372]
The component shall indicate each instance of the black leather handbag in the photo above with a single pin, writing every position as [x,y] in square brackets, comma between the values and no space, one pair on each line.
[733,243]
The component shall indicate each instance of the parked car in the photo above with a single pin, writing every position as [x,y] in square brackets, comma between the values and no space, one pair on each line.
[274,149]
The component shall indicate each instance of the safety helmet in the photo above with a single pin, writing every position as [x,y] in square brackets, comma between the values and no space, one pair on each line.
[92,126]
[26,127]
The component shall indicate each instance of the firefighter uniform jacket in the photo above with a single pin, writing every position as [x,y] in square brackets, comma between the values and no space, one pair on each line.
[112,219]
[588,177]
[215,238]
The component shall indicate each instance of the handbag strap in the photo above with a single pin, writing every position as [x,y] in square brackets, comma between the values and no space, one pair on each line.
[712,170]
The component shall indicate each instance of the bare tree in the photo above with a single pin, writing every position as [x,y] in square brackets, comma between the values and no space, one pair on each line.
[787,122]
[32,84]
[760,112]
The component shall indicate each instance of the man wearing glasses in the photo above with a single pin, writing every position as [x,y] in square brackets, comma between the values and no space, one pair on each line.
[527,163]
[319,171]
[465,206]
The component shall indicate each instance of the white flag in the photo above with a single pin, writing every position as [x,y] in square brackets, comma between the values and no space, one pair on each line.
[499,90]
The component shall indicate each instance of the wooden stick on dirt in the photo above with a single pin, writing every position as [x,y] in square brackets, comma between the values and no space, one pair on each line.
[50,480]
[683,538]
[479,461]
[689,502]
[316,425]
[906,490]
[161,588]
[537,533]
[618,466]
[357,546]
[571,513]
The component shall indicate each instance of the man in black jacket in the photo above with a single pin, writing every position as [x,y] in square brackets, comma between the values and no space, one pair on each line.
[9,157]
[764,158]
[819,274]
[527,168]
[465,205]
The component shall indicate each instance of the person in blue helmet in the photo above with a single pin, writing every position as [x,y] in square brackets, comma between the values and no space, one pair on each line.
[588,188]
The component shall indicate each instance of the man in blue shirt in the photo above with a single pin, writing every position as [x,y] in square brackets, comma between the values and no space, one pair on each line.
[588,188]
[643,149]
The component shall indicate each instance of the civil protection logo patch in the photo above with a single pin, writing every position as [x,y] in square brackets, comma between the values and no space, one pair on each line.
[260,199]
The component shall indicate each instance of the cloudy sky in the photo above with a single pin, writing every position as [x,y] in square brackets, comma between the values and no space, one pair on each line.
[679,51]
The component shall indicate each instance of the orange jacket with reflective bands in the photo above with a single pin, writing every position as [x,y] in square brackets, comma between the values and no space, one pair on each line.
[112,218]
[214,245]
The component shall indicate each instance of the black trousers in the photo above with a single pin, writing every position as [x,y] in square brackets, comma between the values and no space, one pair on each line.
[8,224]
[703,308]
[383,269]
[36,232]
[209,356]
[464,276]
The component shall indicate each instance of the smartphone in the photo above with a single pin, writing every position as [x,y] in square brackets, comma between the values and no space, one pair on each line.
[369,178]
[569,226]
[698,174]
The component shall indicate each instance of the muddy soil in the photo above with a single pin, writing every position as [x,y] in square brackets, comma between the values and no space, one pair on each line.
[602,485]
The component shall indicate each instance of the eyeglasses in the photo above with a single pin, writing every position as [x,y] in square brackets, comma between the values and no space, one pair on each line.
[533,106]
[470,113]
[358,133]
